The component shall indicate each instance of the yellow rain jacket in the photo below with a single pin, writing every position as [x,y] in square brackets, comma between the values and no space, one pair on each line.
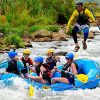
[75,14]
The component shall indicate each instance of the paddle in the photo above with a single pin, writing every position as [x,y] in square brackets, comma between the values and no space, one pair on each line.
[4,62]
[75,56]
[31,88]
[81,77]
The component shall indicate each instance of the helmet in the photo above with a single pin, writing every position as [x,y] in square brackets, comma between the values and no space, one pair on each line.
[38,59]
[79,3]
[50,51]
[26,51]
[12,54]
[69,56]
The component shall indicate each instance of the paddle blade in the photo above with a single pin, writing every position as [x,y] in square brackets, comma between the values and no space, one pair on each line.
[75,56]
[83,78]
[31,91]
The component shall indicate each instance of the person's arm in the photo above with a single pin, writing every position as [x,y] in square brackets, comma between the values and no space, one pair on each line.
[73,16]
[32,69]
[41,70]
[20,66]
[90,15]
[74,70]
[21,58]
[56,59]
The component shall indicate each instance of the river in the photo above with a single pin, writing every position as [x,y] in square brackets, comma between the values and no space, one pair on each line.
[17,92]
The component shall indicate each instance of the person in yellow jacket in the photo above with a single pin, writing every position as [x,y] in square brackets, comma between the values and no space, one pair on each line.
[81,17]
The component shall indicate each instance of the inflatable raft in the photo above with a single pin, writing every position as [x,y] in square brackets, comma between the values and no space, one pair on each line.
[85,66]
[88,67]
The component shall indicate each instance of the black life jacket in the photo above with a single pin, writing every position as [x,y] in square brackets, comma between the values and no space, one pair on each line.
[82,19]
[25,70]
[67,67]
[12,67]
[51,62]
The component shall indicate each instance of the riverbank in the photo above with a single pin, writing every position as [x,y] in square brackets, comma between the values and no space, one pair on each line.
[43,36]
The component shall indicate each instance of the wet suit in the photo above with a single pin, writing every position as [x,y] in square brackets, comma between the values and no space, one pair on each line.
[69,76]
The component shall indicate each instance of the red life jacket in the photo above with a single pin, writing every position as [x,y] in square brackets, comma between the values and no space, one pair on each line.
[25,70]
[47,72]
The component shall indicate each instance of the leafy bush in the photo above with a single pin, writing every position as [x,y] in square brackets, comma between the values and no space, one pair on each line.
[53,28]
[44,20]
[13,39]
[7,29]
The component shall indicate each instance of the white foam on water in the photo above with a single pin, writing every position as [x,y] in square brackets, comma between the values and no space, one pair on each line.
[11,94]
[94,29]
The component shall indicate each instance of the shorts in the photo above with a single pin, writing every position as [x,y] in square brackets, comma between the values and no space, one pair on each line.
[48,81]
[81,27]
[71,80]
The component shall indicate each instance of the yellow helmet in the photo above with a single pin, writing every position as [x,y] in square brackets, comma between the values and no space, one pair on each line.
[50,51]
[26,51]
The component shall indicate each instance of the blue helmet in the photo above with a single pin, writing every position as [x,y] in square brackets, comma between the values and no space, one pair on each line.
[12,54]
[38,59]
[69,56]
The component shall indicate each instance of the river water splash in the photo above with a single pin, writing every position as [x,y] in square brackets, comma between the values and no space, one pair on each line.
[17,91]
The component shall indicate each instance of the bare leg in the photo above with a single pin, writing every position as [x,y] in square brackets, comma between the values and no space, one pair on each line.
[62,79]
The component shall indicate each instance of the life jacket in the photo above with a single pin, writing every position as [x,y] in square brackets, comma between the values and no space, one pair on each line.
[67,65]
[25,70]
[12,67]
[51,62]
[37,69]
[68,75]
[47,73]
[82,19]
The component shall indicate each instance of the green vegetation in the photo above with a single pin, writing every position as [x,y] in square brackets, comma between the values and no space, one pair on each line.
[18,17]
[53,28]
[13,39]
[28,13]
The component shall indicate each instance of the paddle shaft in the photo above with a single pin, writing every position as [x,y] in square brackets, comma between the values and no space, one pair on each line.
[3,62]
